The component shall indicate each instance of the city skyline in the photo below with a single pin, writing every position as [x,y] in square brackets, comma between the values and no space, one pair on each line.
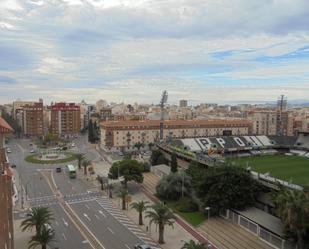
[203,51]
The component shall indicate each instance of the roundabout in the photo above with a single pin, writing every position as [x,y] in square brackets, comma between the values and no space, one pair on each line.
[51,157]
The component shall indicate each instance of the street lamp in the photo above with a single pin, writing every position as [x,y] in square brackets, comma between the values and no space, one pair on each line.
[208,211]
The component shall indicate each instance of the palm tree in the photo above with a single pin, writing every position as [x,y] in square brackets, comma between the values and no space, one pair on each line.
[44,237]
[123,194]
[140,207]
[161,216]
[292,206]
[86,163]
[80,157]
[37,218]
[193,245]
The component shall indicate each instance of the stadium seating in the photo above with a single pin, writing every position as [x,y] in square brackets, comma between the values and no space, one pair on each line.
[302,140]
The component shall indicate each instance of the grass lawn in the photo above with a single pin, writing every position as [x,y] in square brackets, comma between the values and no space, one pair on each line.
[70,157]
[288,168]
[194,218]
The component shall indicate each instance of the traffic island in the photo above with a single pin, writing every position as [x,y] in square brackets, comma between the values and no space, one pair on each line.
[51,158]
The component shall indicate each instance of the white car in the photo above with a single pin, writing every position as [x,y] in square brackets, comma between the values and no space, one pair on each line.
[73,145]
[32,151]
[8,150]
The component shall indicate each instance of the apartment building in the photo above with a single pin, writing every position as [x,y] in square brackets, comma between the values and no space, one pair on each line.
[29,116]
[65,119]
[267,122]
[6,192]
[183,103]
[125,134]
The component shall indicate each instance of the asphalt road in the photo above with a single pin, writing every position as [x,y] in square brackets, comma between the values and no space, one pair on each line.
[107,230]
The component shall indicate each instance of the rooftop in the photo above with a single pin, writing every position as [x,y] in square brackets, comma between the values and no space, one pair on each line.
[5,127]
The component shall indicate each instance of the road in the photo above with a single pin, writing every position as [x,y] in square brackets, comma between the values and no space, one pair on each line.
[80,219]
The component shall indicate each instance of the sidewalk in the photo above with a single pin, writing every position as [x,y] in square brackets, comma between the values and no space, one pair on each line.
[173,237]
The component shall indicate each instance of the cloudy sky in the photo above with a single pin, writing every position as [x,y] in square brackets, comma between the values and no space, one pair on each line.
[131,50]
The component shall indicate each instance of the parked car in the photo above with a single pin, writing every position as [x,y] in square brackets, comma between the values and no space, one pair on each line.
[32,151]
[142,246]
[8,150]
[58,170]
[13,165]
[73,145]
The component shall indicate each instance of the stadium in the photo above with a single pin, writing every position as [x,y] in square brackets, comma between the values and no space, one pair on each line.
[271,159]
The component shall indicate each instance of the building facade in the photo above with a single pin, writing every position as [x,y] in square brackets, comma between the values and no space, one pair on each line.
[183,103]
[29,116]
[125,134]
[6,192]
[65,119]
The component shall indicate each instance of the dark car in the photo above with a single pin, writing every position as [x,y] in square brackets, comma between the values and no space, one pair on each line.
[58,170]
[13,165]
[142,246]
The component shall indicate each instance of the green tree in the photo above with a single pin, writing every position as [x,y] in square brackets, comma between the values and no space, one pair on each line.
[80,157]
[150,145]
[224,187]
[123,193]
[138,145]
[161,216]
[130,169]
[140,207]
[173,186]
[193,245]
[157,158]
[95,132]
[37,218]
[42,238]
[292,206]
[174,165]
[86,163]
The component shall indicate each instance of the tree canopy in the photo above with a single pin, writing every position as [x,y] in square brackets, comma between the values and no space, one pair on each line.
[157,158]
[130,169]
[224,187]
[174,165]
[170,187]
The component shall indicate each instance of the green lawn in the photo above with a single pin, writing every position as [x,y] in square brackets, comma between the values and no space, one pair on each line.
[288,168]
[194,218]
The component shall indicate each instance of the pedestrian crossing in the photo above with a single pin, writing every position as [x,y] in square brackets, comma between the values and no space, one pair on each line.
[107,204]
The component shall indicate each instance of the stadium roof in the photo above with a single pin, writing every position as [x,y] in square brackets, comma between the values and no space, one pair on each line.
[264,219]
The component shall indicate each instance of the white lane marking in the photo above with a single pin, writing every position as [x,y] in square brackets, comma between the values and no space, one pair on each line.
[87,217]
[84,241]
[64,236]
[109,229]
[102,213]
[97,216]
[127,246]
[87,206]
[65,223]
[56,222]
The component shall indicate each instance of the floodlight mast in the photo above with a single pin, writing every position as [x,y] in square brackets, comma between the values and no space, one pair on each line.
[162,103]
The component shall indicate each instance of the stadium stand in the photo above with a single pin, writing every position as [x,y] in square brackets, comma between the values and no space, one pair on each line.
[302,140]
[265,140]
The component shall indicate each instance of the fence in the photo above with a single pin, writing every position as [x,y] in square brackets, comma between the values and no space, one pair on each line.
[264,234]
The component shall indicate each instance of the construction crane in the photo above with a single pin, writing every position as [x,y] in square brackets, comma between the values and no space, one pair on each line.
[162,103]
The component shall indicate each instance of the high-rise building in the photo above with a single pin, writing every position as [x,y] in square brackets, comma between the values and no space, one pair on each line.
[183,103]
[65,119]
[29,116]
[6,193]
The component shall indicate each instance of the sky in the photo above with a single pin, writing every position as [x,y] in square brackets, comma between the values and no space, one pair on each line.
[222,51]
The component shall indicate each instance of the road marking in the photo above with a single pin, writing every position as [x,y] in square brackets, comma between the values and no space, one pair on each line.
[64,236]
[87,217]
[127,246]
[65,223]
[102,213]
[109,229]
[97,216]
[87,206]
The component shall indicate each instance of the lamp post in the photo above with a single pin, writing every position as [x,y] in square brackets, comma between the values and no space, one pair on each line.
[207,209]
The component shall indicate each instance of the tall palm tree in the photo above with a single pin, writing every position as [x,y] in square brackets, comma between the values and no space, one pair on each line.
[140,207]
[37,218]
[123,194]
[193,245]
[86,163]
[43,238]
[161,216]
[80,157]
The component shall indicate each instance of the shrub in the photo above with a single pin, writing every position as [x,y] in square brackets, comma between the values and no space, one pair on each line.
[186,205]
